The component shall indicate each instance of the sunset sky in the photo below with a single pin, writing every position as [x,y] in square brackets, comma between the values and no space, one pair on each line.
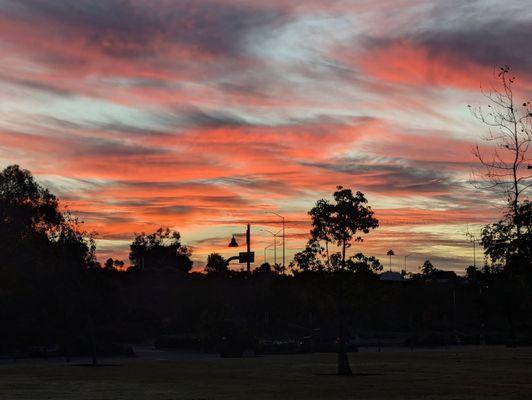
[205,115]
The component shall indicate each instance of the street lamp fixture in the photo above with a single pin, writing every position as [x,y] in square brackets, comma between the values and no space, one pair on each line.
[248,257]
[233,242]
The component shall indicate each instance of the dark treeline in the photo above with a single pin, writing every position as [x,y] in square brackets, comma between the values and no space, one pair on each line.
[55,298]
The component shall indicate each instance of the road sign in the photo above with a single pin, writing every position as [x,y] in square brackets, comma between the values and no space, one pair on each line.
[243,257]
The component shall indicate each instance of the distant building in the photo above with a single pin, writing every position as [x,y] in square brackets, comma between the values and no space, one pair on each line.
[391,276]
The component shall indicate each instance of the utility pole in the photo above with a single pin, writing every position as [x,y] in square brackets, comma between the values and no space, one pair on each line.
[284,260]
[274,243]
[266,248]
[248,248]
[408,255]
[473,239]
[275,251]
[247,255]
[282,218]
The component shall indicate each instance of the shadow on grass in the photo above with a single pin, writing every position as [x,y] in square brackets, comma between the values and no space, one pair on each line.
[95,365]
[349,376]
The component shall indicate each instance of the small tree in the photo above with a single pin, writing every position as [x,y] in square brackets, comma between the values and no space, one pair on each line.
[309,258]
[341,223]
[427,268]
[216,265]
[118,264]
[159,250]
[264,269]
[363,265]
[109,264]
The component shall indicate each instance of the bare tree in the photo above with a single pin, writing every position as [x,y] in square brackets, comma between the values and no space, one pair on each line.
[508,165]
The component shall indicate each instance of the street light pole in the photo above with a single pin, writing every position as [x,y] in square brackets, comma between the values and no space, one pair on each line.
[274,243]
[234,243]
[266,248]
[248,248]
[408,255]
[282,218]
[473,239]
[284,260]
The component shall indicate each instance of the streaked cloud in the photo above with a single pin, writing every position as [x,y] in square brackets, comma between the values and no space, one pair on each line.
[204,115]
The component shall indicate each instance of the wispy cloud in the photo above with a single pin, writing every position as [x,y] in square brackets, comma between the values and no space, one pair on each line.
[203,115]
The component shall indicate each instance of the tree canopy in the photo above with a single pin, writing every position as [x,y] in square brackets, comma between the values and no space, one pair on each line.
[216,264]
[160,250]
[502,241]
[338,223]
[25,206]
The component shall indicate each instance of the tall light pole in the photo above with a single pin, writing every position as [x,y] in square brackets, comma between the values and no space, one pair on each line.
[248,248]
[266,248]
[408,255]
[282,218]
[248,255]
[473,239]
[274,243]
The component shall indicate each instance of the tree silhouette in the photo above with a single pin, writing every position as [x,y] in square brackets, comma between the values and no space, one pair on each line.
[26,208]
[502,243]
[160,250]
[111,264]
[507,167]
[427,268]
[216,265]
[363,265]
[390,253]
[309,258]
[45,259]
[341,223]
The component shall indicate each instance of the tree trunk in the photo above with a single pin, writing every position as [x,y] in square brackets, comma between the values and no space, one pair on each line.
[343,367]
[343,361]
[93,341]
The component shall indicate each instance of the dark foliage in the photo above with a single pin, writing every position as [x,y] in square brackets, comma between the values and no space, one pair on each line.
[159,250]
[216,265]
[56,299]
[504,244]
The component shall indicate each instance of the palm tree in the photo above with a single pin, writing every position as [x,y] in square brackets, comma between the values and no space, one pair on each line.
[390,253]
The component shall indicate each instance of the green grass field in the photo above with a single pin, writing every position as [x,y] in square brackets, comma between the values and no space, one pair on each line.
[469,373]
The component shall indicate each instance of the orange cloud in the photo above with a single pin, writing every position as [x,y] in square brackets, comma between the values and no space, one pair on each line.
[406,63]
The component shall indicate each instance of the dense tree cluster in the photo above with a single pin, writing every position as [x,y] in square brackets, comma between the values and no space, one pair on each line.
[47,292]
[159,250]
[54,292]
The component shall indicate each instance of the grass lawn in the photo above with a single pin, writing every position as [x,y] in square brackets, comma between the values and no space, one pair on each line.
[467,373]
